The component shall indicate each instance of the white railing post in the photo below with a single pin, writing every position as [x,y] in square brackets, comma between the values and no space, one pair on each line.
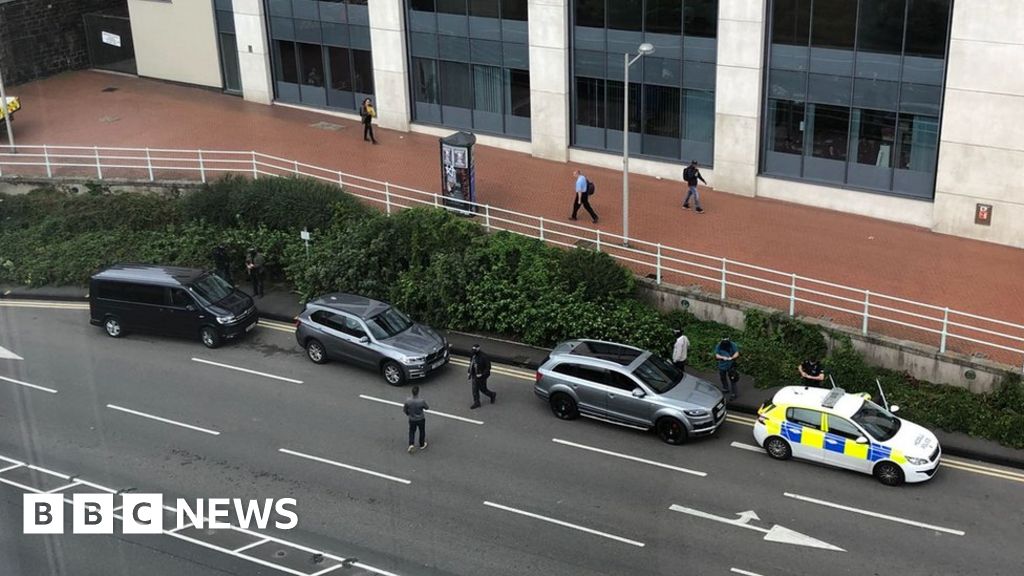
[202,168]
[437,198]
[149,165]
[46,158]
[387,196]
[724,278]
[487,217]
[867,312]
[657,267]
[542,228]
[945,331]
[255,172]
[295,167]
[341,182]
[792,295]
[598,240]
[99,170]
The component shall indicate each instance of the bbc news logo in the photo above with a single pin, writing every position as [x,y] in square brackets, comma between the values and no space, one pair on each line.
[144,513]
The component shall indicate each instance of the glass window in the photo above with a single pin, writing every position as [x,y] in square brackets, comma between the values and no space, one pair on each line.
[786,126]
[842,427]
[287,69]
[699,116]
[700,18]
[144,294]
[456,86]
[878,422]
[362,68]
[831,124]
[927,28]
[621,381]
[590,13]
[211,288]
[451,6]
[388,323]
[341,69]
[804,417]
[180,298]
[311,57]
[519,93]
[658,374]
[874,137]
[328,319]
[834,24]
[880,26]
[590,102]
[425,86]
[918,142]
[791,22]
[483,8]
[664,17]
[625,14]
[661,111]
[423,5]
[514,9]
[487,88]
[615,105]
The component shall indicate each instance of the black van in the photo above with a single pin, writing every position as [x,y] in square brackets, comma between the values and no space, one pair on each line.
[169,300]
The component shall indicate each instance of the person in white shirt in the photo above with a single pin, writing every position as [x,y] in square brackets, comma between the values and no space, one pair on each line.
[680,349]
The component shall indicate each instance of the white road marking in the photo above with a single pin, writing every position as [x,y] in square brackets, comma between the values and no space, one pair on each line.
[6,354]
[743,572]
[252,545]
[750,447]
[435,412]
[22,486]
[566,524]
[874,514]
[64,487]
[50,472]
[346,466]
[247,371]
[9,468]
[40,304]
[164,420]
[328,569]
[275,325]
[27,385]
[776,533]
[12,460]
[627,457]
[736,419]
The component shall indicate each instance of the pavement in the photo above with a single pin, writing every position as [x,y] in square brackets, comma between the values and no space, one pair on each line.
[283,305]
[93,108]
[505,489]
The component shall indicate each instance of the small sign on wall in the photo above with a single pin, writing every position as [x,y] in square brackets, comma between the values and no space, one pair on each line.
[112,39]
[983,214]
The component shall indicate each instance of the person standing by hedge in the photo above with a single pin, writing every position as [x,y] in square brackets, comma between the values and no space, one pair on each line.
[811,373]
[479,372]
[680,350]
[254,263]
[582,191]
[368,113]
[726,354]
[415,408]
[221,263]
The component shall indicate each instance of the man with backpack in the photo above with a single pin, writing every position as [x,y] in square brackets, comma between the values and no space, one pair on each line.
[584,189]
[692,175]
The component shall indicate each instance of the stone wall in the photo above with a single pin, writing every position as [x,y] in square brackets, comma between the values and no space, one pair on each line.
[41,38]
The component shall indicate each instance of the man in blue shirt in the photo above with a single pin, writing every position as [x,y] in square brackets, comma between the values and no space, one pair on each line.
[726,354]
[582,196]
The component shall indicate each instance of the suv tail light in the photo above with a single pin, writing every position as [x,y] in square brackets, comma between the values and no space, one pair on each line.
[537,377]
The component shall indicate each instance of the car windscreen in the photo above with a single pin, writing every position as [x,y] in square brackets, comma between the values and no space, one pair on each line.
[211,288]
[658,374]
[878,421]
[388,323]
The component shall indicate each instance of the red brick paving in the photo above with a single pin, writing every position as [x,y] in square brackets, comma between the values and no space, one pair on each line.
[905,261]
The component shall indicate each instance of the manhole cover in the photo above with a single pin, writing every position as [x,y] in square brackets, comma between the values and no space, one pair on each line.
[110,89]
[327,126]
[280,554]
[109,119]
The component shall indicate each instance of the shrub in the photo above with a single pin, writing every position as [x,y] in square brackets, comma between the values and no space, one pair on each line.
[597,274]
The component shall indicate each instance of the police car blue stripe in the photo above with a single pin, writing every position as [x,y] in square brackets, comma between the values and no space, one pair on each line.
[878,452]
[838,443]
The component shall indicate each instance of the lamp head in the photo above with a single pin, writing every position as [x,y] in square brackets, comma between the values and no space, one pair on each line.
[646,48]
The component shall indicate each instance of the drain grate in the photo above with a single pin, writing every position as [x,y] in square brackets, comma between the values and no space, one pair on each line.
[109,89]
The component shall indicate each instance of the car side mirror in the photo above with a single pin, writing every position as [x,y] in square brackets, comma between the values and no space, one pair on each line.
[894,409]
[638,393]
[364,339]
[861,440]
[190,307]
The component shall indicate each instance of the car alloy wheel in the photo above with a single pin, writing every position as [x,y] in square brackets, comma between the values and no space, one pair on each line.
[889,474]
[778,448]
[671,431]
[564,407]
[315,351]
[393,373]
[113,327]
[209,337]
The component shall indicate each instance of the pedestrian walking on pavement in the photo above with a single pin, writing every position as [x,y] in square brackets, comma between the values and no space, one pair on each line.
[811,373]
[368,113]
[679,350]
[692,175]
[726,353]
[221,263]
[581,193]
[254,263]
[479,372]
[415,408]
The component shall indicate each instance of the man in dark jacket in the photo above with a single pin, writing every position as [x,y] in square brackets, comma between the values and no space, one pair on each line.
[479,371]
[221,263]
[414,408]
[254,263]
[692,175]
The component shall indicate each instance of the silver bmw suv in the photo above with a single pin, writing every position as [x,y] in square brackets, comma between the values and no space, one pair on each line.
[630,386]
[370,333]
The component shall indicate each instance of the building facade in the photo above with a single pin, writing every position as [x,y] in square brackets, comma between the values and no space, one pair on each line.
[904,110]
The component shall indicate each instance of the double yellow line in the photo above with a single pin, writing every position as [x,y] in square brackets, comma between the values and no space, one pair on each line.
[41,304]
[505,371]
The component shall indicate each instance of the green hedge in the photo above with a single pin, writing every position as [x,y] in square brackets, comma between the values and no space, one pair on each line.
[444,270]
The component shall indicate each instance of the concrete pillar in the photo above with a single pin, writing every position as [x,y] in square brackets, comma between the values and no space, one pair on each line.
[981,148]
[253,51]
[738,87]
[390,65]
[549,78]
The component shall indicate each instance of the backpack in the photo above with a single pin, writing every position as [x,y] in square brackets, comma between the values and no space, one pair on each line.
[590,187]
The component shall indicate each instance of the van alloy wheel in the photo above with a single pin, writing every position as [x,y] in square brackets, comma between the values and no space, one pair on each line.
[113,327]
[209,337]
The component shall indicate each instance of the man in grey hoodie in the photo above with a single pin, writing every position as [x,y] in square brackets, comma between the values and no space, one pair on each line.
[414,408]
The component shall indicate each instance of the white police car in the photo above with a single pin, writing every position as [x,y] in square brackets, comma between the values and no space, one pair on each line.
[846,430]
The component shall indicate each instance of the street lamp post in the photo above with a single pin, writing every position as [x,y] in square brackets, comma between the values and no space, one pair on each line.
[7,116]
[643,50]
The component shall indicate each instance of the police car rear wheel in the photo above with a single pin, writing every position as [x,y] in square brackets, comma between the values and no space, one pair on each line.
[778,448]
[889,474]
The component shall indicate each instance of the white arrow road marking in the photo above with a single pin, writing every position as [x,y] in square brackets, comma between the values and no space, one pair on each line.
[6,354]
[774,534]
[746,517]
[873,514]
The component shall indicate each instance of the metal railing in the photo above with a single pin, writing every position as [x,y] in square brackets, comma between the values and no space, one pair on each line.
[943,327]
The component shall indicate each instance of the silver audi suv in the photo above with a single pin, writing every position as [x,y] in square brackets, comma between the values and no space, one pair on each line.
[629,386]
[370,333]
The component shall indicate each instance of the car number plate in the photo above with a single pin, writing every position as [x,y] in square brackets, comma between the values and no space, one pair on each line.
[437,364]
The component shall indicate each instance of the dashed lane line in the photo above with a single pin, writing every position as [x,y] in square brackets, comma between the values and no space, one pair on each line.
[631,458]
[743,572]
[164,420]
[27,385]
[749,447]
[246,370]
[873,514]
[345,466]
[434,412]
[565,524]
